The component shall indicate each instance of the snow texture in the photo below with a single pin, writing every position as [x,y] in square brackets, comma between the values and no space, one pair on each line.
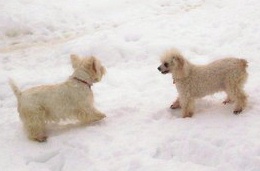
[140,132]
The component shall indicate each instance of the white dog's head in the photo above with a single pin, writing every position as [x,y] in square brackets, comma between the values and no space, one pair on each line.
[173,62]
[87,68]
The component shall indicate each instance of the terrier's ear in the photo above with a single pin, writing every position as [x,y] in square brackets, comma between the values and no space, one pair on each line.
[75,60]
[103,70]
[97,67]
[94,64]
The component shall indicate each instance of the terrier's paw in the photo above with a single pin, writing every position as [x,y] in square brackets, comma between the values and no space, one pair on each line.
[101,115]
[98,116]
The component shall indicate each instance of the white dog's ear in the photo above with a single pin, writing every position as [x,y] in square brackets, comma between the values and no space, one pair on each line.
[182,69]
[180,61]
[75,60]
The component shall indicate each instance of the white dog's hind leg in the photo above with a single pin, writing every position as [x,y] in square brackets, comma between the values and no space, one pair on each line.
[240,101]
[238,95]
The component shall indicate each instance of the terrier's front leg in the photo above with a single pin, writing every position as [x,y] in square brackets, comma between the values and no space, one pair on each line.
[97,115]
[91,115]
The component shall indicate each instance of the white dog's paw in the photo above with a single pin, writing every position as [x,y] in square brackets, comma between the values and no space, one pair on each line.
[237,111]
[227,101]
[175,105]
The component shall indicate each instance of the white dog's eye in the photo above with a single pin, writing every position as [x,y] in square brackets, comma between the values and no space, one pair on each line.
[166,64]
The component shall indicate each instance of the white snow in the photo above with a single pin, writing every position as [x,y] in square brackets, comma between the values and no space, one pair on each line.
[140,132]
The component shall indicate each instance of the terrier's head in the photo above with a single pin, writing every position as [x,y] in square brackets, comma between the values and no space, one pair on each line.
[87,68]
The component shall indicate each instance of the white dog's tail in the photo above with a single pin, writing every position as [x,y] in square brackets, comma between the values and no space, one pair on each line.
[244,63]
[15,89]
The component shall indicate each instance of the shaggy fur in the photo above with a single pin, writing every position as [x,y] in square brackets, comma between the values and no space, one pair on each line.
[72,99]
[196,81]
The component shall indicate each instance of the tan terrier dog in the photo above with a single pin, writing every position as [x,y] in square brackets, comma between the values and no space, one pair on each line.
[72,99]
[196,81]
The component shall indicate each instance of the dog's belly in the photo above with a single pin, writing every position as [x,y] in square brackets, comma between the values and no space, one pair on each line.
[61,115]
[66,107]
[198,89]
[69,110]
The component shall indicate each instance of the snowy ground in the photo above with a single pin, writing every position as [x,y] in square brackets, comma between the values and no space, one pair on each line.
[140,132]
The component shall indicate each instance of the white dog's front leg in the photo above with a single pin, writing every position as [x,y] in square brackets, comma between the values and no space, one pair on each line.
[176,104]
[227,100]
[187,107]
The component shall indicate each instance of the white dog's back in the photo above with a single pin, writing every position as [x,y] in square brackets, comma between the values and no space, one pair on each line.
[213,77]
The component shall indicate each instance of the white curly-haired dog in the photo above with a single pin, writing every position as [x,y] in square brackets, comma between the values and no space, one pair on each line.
[72,99]
[196,81]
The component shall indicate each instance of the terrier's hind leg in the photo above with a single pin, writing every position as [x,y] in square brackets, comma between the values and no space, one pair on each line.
[34,124]
[36,131]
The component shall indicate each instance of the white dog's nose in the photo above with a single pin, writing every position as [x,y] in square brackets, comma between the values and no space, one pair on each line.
[159,68]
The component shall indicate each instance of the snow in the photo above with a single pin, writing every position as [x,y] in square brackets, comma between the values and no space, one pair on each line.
[140,132]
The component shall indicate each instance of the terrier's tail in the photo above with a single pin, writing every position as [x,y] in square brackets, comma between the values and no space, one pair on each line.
[16,90]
